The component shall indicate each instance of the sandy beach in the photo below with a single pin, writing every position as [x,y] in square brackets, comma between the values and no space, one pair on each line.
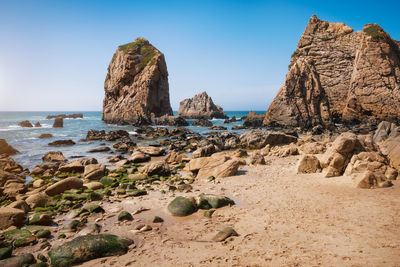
[282,218]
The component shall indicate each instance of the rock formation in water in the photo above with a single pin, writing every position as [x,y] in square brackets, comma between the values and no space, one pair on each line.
[336,75]
[136,87]
[200,106]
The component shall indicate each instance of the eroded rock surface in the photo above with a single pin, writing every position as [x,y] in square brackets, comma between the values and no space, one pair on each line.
[336,74]
[200,106]
[136,86]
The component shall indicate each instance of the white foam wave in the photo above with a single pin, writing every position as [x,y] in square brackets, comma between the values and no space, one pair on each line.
[133,133]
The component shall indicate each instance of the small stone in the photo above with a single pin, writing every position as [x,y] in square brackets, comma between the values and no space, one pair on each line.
[158,219]
[125,216]
[224,234]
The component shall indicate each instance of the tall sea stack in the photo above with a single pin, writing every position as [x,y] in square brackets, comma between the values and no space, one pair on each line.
[337,75]
[136,87]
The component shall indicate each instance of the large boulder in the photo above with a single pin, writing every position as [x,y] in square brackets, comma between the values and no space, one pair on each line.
[54,156]
[62,143]
[11,216]
[336,74]
[63,185]
[257,138]
[308,164]
[157,168]
[138,157]
[85,248]
[182,206]
[5,148]
[75,166]
[94,171]
[200,106]
[388,137]
[152,150]
[136,85]
[37,200]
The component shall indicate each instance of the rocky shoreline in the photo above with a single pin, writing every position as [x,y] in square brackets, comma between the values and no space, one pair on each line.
[69,203]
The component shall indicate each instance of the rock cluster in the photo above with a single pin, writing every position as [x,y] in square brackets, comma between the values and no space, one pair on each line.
[136,86]
[200,106]
[337,75]
[64,116]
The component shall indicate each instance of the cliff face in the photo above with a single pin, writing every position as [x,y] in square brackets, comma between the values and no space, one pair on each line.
[200,106]
[136,87]
[337,75]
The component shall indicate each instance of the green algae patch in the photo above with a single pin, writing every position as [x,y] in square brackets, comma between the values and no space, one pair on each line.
[208,201]
[85,248]
[20,260]
[375,31]
[19,237]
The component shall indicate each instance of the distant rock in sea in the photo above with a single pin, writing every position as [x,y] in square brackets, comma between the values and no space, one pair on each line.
[25,124]
[336,75]
[200,106]
[64,116]
[136,86]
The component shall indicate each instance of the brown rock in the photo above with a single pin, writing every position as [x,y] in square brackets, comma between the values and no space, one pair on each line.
[20,204]
[159,168]
[45,135]
[336,75]
[136,85]
[138,157]
[58,123]
[37,124]
[5,148]
[94,171]
[308,164]
[65,184]
[25,124]
[151,150]
[62,143]
[54,156]
[11,216]
[37,200]
[254,120]
[200,106]
[369,180]
[75,166]
[228,168]
[94,185]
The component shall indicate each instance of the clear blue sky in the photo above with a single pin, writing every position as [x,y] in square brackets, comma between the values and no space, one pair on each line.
[54,54]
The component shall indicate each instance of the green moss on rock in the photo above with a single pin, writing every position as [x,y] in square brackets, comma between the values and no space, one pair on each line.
[85,248]
[181,206]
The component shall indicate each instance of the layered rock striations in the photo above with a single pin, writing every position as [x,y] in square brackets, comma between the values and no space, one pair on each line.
[200,106]
[136,87]
[336,75]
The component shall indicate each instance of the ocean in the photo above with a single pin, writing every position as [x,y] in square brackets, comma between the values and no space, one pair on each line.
[32,148]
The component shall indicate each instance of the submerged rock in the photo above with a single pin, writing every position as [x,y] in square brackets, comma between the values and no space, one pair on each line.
[85,248]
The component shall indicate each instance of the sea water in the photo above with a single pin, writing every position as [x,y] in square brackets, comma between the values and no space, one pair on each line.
[32,149]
